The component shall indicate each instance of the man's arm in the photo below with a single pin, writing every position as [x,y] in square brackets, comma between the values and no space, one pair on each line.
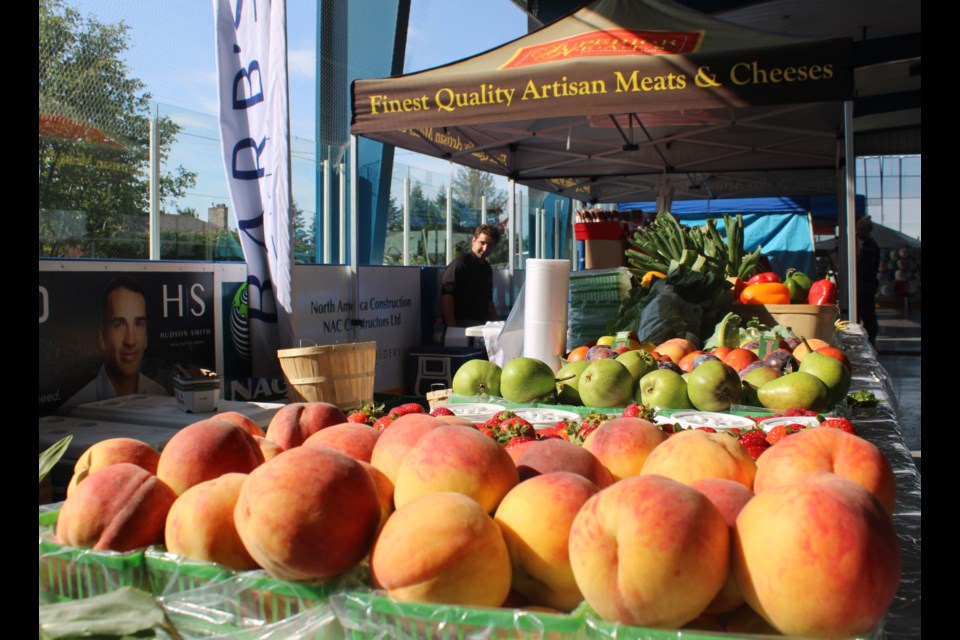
[446,304]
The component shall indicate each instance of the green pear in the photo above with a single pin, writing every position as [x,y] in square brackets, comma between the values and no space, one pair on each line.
[638,362]
[528,380]
[713,386]
[795,390]
[568,381]
[606,383]
[477,378]
[831,372]
[755,379]
[664,389]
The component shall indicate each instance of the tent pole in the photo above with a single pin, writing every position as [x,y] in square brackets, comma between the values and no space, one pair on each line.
[327,214]
[850,197]
[354,228]
[406,222]
[511,217]
[483,209]
[449,223]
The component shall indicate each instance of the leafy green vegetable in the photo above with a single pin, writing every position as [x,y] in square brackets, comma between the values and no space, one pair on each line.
[862,398]
[50,457]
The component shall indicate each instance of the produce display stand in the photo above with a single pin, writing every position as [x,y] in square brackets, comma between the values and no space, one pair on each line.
[204,600]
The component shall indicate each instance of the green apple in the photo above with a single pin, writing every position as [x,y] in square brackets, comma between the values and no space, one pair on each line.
[528,380]
[568,381]
[713,386]
[795,390]
[664,389]
[638,362]
[831,372]
[606,383]
[477,378]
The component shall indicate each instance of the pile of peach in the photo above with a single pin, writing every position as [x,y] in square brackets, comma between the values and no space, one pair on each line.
[650,529]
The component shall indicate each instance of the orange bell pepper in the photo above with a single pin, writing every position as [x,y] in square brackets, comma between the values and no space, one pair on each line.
[765,293]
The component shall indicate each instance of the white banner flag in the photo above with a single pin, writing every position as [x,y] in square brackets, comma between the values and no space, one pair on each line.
[251,59]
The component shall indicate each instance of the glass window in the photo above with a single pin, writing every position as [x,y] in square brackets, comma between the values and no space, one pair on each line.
[910,187]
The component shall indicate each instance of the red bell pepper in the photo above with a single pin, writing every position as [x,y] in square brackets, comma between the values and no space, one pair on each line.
[823,292]
[768,276]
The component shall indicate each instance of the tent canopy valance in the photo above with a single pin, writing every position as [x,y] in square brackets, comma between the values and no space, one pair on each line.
[623,98]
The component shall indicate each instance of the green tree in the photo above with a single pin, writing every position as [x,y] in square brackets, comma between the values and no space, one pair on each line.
[302,236]
[469,185]
[94,151]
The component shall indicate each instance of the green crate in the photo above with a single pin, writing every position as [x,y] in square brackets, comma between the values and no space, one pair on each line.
[591,296]
[600,279]
[171,573]
[71,573]
[370,614]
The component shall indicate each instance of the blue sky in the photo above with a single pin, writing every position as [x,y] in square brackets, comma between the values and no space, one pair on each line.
[172,51]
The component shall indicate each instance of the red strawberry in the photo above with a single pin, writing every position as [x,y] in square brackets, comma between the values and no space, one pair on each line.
[639,411]
[442,411]
[781,431]
[632,411]
[404,409]
[552,432]
[383,423]
[754,438]
[514,441]
[358,416]
[839,423]
[756,451]
[485,430]
[707,429]
[734,431]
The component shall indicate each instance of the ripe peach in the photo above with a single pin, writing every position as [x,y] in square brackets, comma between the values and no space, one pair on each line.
[397,439]
[443,548]
[242,421]
[675,349]
[118,508]
[693,455]
[200,524]
[455,458]
[296,422]
[111,451]
[205,450]
[268,448]
[560,455]
[535,519]
[729,498]
[826,449]
[722,351]
[310,513]
[384,490]
[623,444]
[649,551]
[355,440]
[812,344]
[818,558]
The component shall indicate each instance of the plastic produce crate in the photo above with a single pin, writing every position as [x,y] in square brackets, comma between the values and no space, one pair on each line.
[371,614]
[71,573]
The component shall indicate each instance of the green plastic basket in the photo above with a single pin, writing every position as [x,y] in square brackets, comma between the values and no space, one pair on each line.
[370,614]
[71,573]
[171,573]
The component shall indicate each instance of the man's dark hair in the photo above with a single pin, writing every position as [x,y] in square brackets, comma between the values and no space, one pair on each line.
[120,282]
[491,230]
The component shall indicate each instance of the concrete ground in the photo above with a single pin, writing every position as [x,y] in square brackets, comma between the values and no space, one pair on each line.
[899,350]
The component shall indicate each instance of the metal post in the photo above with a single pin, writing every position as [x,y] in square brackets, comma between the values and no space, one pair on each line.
[343,202]
[556,229]
[511,218]
[483,209]
[154,234]
[520,231]
[850,195]
[537,229]
[327,214]
[354,207]
[406,222]
[449,223]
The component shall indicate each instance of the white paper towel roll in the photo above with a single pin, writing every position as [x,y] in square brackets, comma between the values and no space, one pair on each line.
[547,285]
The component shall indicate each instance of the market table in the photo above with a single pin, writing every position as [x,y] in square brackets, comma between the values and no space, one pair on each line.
[881,426]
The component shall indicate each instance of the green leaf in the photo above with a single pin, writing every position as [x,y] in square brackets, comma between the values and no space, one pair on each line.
[51,456]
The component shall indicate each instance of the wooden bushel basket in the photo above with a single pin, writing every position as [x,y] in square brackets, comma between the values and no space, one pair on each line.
[341,374]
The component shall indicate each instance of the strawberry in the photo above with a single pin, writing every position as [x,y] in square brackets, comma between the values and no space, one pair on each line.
[734,431]
[514,441]
[358,416]
[562,429]
[632,411]
[382,423]
[404,409]
[590,423]
[781,431]
[485,430]
[707,429]
[839,423]
[638,411]
[366,414]
[753,438]
[442,411]
[513,428]
[756,451]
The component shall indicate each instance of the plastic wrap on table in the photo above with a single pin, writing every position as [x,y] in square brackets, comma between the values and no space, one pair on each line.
[881,426]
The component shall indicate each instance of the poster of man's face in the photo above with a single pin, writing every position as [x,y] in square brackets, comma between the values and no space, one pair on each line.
[121,333]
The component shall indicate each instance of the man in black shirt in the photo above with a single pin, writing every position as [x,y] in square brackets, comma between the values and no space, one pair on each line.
[466,292]
[868,261]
